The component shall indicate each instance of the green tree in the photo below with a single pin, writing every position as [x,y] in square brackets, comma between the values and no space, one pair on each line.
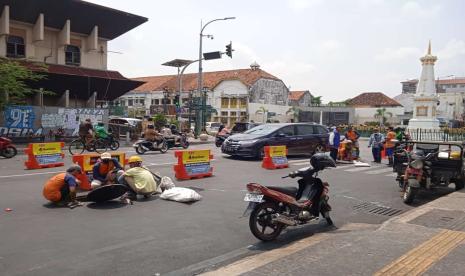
[383,115]
[294,111]
[14,80]
[316,100]
[159,121]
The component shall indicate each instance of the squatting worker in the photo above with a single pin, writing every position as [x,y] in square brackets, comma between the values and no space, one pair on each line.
[61,188]
[138,179]
[353,136]
[104,172]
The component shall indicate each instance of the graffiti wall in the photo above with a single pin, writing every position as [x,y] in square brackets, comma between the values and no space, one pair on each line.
[17,121]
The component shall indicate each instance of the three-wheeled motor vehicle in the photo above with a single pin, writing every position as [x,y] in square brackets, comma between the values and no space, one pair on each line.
[428,165]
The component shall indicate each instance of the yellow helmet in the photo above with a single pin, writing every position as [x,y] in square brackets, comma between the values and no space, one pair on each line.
[134,159]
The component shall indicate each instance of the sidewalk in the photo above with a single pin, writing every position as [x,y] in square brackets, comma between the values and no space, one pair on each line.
[429,240]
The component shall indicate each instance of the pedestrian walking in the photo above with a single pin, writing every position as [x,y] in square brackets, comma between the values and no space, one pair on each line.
[376,144]
[390,144]
[334,142]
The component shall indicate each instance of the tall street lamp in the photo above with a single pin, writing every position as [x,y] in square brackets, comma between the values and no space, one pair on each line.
[199,78]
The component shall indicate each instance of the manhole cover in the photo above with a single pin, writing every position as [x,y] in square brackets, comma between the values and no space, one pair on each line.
[376,209]
[452,220]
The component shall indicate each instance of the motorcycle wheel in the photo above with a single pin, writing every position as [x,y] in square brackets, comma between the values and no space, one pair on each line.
[100,146]
[409,194]
[76,147]
[114,145]
[260,221]
[140,149]
[164,147]
[9,152]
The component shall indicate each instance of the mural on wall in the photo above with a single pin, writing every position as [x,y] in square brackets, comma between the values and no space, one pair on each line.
[266,91]
[20,121]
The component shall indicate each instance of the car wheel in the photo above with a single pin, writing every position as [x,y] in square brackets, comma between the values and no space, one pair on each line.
[319,149]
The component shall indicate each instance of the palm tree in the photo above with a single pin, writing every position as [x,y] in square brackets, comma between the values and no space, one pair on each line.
[295,111]
[383,115]
[316,100]
[262,110]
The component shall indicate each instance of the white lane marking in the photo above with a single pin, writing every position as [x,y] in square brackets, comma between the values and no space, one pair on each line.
[301,163]
[28,174]
[391,174]
[359,169]
[385,170]
[297,161]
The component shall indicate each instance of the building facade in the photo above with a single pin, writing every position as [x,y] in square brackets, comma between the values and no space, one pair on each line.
[230,94]
[300,98]
[53,37]
[373,106]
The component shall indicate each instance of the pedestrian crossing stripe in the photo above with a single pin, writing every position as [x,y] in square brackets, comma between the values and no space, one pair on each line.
[359,169]
[380,171]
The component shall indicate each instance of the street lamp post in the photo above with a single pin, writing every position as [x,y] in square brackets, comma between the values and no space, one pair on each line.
[199,79]
[165,98]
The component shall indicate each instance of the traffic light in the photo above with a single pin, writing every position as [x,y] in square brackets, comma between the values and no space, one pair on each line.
[229,50]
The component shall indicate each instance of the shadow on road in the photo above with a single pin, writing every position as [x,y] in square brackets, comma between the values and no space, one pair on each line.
[426,196]
[112,204]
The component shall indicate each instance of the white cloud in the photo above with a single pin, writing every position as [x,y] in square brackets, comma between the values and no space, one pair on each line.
[414,9]
[390,54]
[453,49]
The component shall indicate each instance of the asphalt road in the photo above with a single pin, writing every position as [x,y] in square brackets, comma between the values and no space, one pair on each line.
[156,236]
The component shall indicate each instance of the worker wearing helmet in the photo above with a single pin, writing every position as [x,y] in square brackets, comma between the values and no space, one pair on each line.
[104,171]
[138,179]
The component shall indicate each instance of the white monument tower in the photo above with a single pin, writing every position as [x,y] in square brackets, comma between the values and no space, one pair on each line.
[426,99]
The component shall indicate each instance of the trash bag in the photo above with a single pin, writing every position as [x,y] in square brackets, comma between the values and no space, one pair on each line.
[166,183]
[180,194]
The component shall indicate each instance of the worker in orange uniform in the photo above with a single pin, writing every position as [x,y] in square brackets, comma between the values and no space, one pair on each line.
[390,144]
[353,136]
[105,171]
[61,188]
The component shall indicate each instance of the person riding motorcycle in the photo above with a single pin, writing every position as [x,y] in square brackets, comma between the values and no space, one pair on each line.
[152,135]
[101,132]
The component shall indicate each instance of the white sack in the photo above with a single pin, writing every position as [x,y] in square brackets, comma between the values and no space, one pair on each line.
[181,194]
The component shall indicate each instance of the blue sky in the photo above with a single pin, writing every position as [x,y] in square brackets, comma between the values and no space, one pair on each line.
[336,49]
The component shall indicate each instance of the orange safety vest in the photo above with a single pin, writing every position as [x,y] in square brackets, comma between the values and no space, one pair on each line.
[389,137]
[351,135]
[104,169]
[53,186]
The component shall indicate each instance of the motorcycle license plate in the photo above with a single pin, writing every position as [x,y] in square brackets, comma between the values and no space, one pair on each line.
[253,198]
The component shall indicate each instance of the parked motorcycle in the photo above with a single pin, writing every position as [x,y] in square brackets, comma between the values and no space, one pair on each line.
[428,167]
[7,149]
[275,208]
[181,143]
[142,146]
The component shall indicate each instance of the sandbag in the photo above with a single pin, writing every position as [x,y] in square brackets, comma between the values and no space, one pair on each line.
[180,194]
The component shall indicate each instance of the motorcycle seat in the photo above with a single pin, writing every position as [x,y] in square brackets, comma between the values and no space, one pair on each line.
[291,191]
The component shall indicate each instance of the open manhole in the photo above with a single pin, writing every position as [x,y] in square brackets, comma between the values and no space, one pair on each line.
[445,219]
[376,209]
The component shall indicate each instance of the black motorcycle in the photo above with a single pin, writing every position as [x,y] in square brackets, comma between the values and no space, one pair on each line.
[181,143]
[219,140]
[142,146]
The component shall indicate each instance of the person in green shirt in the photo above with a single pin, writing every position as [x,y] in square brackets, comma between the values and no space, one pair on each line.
[100,131]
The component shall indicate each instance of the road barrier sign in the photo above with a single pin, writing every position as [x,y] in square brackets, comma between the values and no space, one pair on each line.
[44,155]
[87,162]
[193,164]
[275,158]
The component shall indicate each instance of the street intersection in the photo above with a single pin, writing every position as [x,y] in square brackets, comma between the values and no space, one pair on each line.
[156,236]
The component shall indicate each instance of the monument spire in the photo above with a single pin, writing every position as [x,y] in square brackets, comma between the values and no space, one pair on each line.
[429,48]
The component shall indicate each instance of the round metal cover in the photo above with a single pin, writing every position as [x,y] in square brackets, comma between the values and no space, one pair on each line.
[107,192]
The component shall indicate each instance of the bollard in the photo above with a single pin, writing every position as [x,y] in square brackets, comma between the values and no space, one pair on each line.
[128,138]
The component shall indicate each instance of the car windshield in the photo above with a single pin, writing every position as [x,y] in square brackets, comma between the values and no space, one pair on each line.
[262,129]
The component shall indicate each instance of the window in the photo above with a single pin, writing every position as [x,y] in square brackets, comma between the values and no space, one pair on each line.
[320,130]
[15,47]
[130,102]
[224,114]
[243,103]
[233,103]
[305,130]
[224,103]
[72,55]
[244,114]
[155,101]
[141,101]
[288,131]
[233,113]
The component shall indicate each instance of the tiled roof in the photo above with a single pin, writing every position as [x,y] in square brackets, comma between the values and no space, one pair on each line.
[296,95]
[210,80]
[373,99]
[443,81]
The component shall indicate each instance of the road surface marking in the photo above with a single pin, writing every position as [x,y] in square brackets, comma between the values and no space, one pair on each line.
[28,174]
[256,261]
[297,161]
[385,170]
[391,174]
[421,258]
[301,163]
[359,169]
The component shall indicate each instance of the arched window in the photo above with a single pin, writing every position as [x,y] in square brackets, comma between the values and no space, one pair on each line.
[15,47]
[72,55]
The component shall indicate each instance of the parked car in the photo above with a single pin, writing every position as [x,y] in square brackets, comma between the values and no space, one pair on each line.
[119,126]
[212,127]
[242,127]
[299,138]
